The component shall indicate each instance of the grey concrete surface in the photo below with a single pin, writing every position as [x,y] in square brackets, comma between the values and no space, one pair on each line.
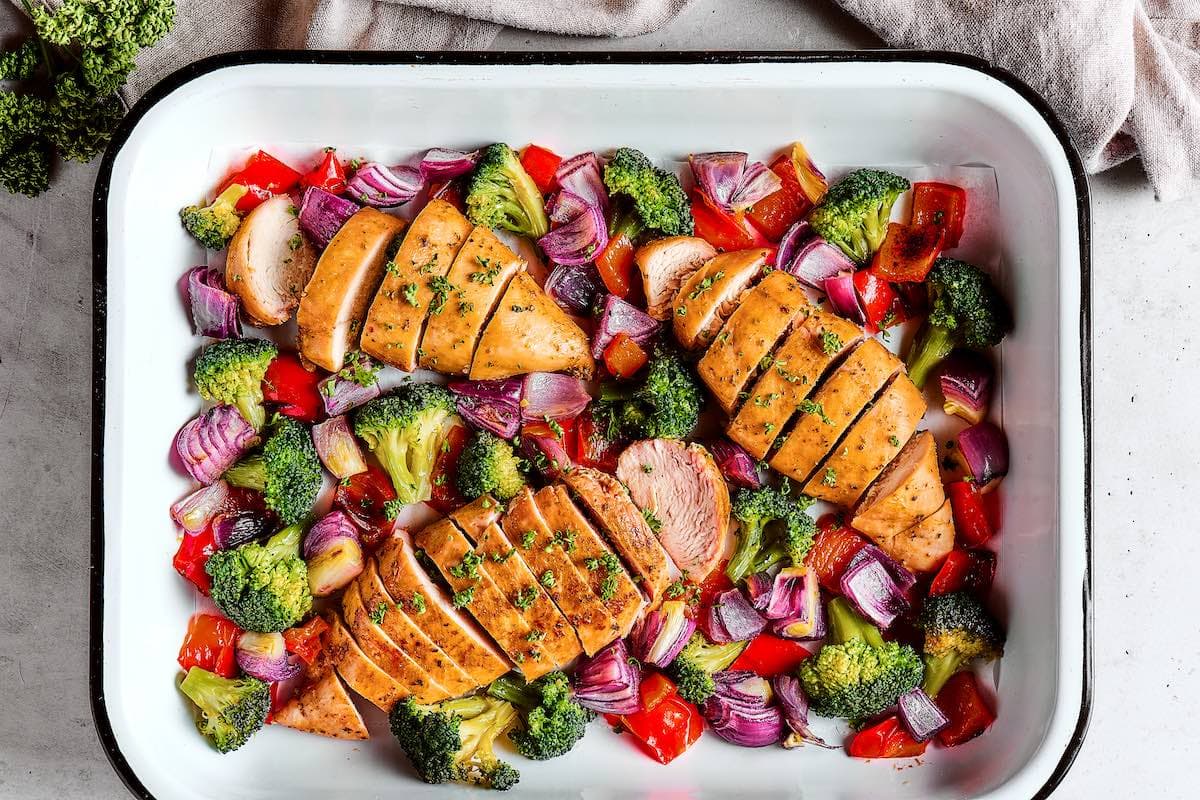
[1147,364]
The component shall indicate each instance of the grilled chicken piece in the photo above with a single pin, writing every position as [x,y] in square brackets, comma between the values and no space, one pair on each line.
[491,606]
[480,274]
[795,370]
[408,636]
[924,546]
[424,687]
[609,503]
[335,301]
[870,444]
[667,263]
[428,606]
[269,262]
[322,705]
[709,296]
[592,557]
[908,491]
[548,551]
[683,488]
[359,672]
[392,331]
[503,561]
[764,314]
[839,400]
[530,333]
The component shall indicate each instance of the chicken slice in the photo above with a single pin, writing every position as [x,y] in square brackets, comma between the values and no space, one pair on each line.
[384,652]
[360,673]
[709,296]
[907,491]
[924,546]
[269,262]
[665,264]
[322,705]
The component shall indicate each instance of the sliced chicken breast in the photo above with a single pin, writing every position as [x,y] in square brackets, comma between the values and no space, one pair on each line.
[682,487]
[908,490]
[408,636]
[530,333]
[429,607]
[924,546]
[335,301]
[872,442]
[709,296]
[270,262]
[322,705]
[466,300]
[378,647]
[593,558]
[665,264]
[608,501]
[793,373]
[548,552]
[393,328]
[764,314]
[361,674]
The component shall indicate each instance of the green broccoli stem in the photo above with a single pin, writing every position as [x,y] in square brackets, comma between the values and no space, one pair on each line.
[749,544]
[938,670]
[845,624]
[932,345]
[514,691]
[286,542]
[628,222]
[467,707]
[768,558]
[249,473]
[252,411]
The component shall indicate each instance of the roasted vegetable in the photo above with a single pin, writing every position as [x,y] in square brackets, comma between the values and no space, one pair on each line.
[664,405]
[453,740]
[657,201]
[957,629]
[774,528]
[231,709]
[231,371]
[215,224]
[488,465]
[552,722]
[262,587]
[693,668]
[287,470]
[500,194]
[854,214]
[405,430]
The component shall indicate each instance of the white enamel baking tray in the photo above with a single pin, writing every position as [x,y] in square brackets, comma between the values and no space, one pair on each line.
[863,108]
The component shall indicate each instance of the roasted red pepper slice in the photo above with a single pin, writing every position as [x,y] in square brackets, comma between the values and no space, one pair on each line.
[970,515]
[191,557]
[768,656]
[444,496]
[329,174]
[449,191]
[654,688]
[961,701]
[715,583]
[778,211]
[942,205]
[541,164]
[592,446]
[908,252]
[888,739]
[264,176]
[294,388]
[972,570]
[834,547]
[623,357]
[306,641]
[616,266]
[718,227]
[667,730]
[210,643]
[364,497]
[878,300]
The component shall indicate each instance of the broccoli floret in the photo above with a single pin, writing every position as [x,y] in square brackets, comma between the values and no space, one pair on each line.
[231,709]
[965,310]
[501,194]
[665,405]
[287,471]
[693,668]
[214,225]
[231,371]
[857,674]
[552,722]
[854,214]
[262,587]
[658,200]
[773,527]
[453,740]
[488,465]
[405,430]
[957,629]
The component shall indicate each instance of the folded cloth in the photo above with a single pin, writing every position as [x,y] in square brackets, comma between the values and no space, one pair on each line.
[1123,75]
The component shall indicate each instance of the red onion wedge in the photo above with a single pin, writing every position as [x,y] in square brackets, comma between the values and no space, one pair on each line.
[213,441]
[337,448]
[794,703]
[546,452]
[574,287]
[730,182]
[214,310]
[740,711]
[905,578]
[580,175]
[491,405]
[440,164]
[815,261]
[789,244]
[264,656]
[731,618]
[582,234]
[920,716]
[193,512]
[758,589]
[240,526]
[757,182]
[843,298]
[352,385]
[618,316]
[984,449]
[966,382]
[662,633]
[333,553]
[735,463]
[868,584]
[323,214]
[381,186]
[795,604]
[551,395]
[607,682]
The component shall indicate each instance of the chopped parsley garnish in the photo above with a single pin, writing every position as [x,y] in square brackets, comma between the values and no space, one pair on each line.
[831,343]
[410,295]
[894,440]
[653,521]
[392,508]
[535,635]
[296,242]
[463,599]
[487,275]
[565,539]
[500,558]
[378,612]
[807,406]
[830,477]
[418,602]
[392,268]
[547,579]
[441,289]
[555,428]
[524,598]
[706,284]
[359,369]
[527,539]
[647,468]
[468,567]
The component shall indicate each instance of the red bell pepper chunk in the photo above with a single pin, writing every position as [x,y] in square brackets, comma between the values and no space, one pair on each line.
[191,557]
[768,656]
[972,570]
[878,300]
[616,267]
[306,641]
[623,357]
[961,702]
[908,252]
[888,739]
[834,547]
[364,498]
[444,496]
[654,688]
[263,176]
[541,164]
[592,447]
[210,643]
[718,227]
[328,174]
[715,583]
[942,205]
[449,191]
[778,211]
[295,388]
[665,731]
[970,516]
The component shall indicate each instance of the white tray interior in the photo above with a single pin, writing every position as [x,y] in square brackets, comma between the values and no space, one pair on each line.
[861,112]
